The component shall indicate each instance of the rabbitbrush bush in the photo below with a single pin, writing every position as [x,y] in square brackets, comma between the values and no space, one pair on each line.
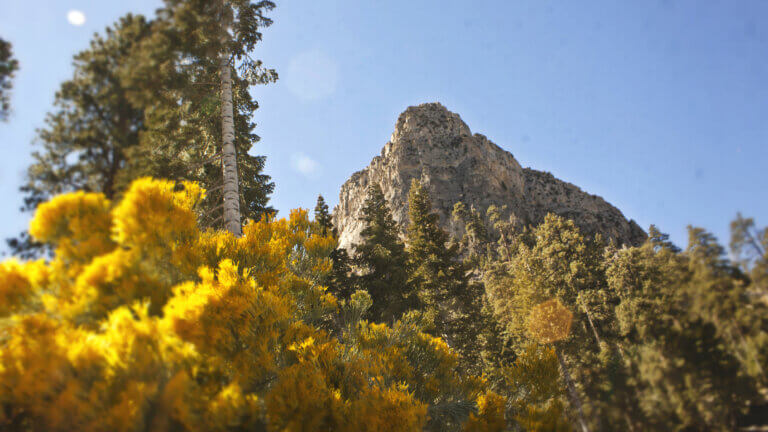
[142,321]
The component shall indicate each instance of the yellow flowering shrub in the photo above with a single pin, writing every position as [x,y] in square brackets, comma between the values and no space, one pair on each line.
[141,321]
[19,282]
[77,223]
[490,415]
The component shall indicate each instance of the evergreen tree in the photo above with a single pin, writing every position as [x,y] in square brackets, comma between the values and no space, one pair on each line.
[144,101]
[440,279]
[749,247]
[532,386]
[663,339]
[84,143]
[719,293]
[179,72]
[476,239]
[87,141]
[660,240]
[382,261]
[554,261]
[685,372]
[8,67]
[338,280]
[323,217]
[436,272]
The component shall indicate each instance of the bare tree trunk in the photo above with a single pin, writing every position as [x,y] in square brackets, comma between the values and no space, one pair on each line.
[629,423]
[589,318]
[575,399]
[228,151]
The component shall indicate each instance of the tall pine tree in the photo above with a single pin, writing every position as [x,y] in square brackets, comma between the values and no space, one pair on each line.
[554,261]
[687,370]
[180,73]
[381,260]
[439,277]
[323,217]
[87,141]
[338,280]
[749,246]
[722,294]
[8,67]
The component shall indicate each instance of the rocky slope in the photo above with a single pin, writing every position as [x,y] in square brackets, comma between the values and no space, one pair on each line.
[434,145]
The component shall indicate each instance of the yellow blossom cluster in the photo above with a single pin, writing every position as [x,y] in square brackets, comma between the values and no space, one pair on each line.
[142,321]
[490,416]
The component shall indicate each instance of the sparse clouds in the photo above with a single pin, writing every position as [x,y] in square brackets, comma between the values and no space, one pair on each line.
[305,164]
[311,75]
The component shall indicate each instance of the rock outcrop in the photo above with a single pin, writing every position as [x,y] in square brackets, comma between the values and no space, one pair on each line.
[434,145]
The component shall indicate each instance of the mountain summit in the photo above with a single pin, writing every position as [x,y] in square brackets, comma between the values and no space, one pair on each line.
[435,146]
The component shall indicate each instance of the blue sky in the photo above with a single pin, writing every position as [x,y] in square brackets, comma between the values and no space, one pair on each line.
[661,107]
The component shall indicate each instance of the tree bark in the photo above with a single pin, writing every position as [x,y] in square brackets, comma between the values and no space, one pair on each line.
[589,318]
[575,399]
[228,151]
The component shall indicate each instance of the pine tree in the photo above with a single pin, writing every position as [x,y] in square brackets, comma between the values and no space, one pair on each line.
[180,73]
[660,240]
[323,217]
[382,261]
[440,279]
[476,239]
[532,385]
[87,142]
[749,246]
[687,370]
[8,67]
[231,182]
[720,293]
[95,124]
[554,261]
[338,281]
[436,272]
[663,339]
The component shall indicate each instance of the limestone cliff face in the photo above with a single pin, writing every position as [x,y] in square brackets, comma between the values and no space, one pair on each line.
[434,145]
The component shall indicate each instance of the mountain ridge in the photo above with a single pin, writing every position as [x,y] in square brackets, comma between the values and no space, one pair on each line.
[434,145]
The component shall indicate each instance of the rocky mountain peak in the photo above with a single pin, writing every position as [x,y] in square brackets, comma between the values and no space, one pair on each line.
[434,145]
[429,119]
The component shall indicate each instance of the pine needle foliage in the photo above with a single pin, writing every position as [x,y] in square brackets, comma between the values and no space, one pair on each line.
[381,261]
[86,142]
[440,279]
[8,67]
[323,216]
[176,74]
[662,338]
